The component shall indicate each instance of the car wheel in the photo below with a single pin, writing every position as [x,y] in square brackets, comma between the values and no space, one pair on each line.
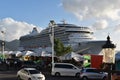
[77,75]
[29,79]
[104,78]
[18,78]
[57,74]
[84,78]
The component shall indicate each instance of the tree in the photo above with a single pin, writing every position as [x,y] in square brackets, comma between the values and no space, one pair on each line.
[60,49]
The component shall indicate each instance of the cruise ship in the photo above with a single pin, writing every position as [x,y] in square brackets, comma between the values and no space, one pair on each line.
[79,38]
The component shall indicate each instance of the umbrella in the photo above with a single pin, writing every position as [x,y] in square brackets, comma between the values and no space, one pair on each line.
[30,53]
[87,57]
[71,55]
[18,53]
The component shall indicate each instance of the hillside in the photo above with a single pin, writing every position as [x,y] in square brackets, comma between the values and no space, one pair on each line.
[11,46]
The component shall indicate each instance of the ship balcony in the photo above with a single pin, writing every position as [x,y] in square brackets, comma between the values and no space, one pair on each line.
[79,40]
[80,36]
[79,30]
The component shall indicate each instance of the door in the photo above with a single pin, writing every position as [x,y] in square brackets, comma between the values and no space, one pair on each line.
[94,74]
[70,70]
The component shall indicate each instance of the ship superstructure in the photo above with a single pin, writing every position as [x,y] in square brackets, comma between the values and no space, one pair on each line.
[69,34]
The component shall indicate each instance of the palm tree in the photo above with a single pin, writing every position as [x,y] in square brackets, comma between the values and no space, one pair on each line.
[60,49]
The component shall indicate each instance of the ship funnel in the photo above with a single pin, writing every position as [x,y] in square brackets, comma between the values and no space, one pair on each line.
[34,31]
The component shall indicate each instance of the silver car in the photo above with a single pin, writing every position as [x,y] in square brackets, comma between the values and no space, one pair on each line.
[92,73]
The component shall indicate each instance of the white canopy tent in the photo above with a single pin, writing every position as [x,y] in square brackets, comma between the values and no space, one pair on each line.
[42,52]
[11,52]
[18,53]
[45,53]
[30,53]
[73,55]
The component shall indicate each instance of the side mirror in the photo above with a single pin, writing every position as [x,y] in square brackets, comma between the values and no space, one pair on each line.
[28,73]
[74,68]
[101,72]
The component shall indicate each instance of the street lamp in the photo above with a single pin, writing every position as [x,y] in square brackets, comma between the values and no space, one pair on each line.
[52,25]
[109,55]
[3,44]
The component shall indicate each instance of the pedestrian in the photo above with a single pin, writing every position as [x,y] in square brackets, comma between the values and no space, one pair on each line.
[8,65]
[15,64]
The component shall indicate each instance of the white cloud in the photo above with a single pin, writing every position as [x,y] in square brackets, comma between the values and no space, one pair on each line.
[14,29]
[100,25]
[117,29]
[86,9]
[103,13]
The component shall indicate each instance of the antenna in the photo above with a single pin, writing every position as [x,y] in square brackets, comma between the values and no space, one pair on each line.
[64,21]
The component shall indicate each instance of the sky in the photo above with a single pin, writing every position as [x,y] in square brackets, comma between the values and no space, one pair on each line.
[18,17]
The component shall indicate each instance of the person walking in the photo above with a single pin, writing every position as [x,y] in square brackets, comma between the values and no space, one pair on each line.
[8,64]
[15,64]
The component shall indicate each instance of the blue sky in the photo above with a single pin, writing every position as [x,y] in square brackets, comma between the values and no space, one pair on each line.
[18,17]
[37,12]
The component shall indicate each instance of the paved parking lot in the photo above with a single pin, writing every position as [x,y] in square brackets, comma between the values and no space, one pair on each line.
[11,75]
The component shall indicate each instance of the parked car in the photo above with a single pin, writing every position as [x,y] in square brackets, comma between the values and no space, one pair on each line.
[92,73]
[30,64]
[30,74]
[65,69]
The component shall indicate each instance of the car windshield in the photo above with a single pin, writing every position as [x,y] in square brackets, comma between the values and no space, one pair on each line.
[92,70]
[34,71]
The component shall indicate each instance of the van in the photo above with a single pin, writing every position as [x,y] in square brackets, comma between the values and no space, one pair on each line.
[65,69]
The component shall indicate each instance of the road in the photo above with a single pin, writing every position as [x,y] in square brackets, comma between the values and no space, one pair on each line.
[11,75]
[7,75]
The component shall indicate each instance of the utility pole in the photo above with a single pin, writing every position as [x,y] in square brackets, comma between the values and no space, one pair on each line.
[52,25]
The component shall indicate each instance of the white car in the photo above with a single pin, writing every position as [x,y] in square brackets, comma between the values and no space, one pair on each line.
[65,69]
[92,73]
[30,74]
